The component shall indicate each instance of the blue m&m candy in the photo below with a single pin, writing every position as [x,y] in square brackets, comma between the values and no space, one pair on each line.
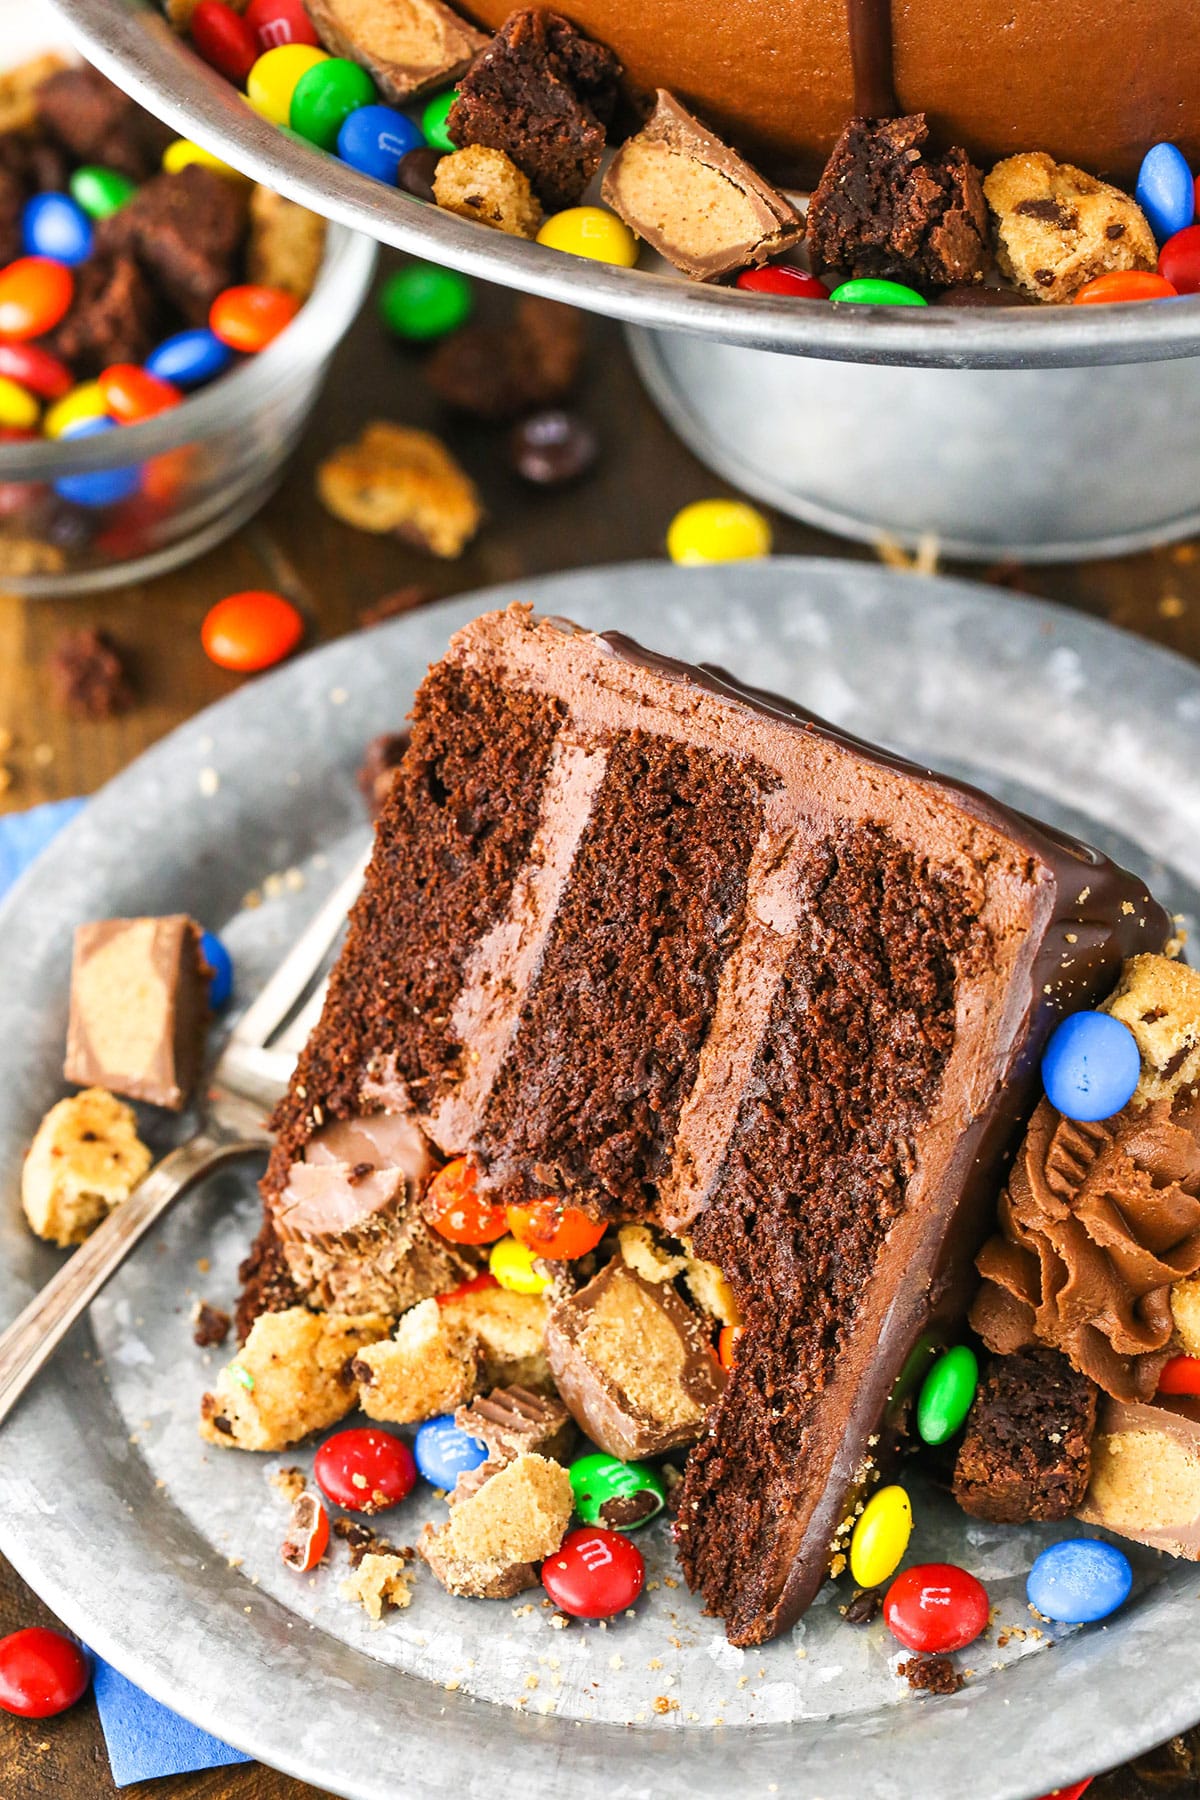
[443,1452]
[54,225]
[190,358]
[1079,1581]
[97,487]
[375,139]
[1091,1066]
[221,963]
[1165,191]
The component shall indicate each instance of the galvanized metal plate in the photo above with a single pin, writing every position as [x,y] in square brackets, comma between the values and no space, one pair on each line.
[163,1554]
[131,41]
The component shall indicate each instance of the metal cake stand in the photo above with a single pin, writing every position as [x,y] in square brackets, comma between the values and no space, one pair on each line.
[1085,458]
[163,1553]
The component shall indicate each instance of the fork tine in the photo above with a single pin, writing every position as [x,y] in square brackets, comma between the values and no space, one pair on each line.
[263,1018]
[298,1031]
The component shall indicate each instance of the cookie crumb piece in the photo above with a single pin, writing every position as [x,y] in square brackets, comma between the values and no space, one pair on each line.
[292,1376]
[1057,228]
[885,206]
[696,201]
[288,1483]
[379,1584]
[487,186]
[397,479]
[1159,1000]
[86,1158]
[285,245]
[430,1366]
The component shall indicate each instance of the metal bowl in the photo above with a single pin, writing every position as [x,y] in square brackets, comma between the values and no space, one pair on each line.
[133,44]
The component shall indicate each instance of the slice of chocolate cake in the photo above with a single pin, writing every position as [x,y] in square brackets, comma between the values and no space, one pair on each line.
[667,946]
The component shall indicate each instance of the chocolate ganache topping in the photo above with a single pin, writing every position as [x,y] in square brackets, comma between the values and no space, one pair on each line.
[1097,1223]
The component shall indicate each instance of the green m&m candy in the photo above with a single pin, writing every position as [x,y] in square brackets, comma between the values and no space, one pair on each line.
[422,302]
[433,121]
[616,1494]
[868,290]
[99,191]
[325,96]
[946,1394]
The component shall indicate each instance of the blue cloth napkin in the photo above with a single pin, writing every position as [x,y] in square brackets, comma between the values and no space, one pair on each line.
[144,1739]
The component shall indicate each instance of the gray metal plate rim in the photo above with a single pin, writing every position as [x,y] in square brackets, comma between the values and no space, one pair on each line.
[79,1515]
[131,42]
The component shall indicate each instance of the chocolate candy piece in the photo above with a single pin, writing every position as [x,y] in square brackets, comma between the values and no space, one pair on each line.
[694,200]
[981,298]
[139,1005]
[407,50]
[616,1494]
[552,448]
[513,1421]
[1146,1475]
[633,1363]
[417,170]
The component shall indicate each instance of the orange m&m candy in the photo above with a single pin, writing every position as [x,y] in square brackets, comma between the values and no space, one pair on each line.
[248,318]
[1124,284]
[457,1210]
[131,394]
[35,292]
[559,1233]
[727,1345]
[251,630]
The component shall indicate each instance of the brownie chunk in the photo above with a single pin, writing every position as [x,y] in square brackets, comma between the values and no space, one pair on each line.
[545,95]
[113,316]
[1028,1447]
[931,1674]
[885,207]
[89,675]
[97,123]
[498,372]
[186,231]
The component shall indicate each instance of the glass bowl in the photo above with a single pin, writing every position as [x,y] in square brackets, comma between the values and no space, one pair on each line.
[182,481]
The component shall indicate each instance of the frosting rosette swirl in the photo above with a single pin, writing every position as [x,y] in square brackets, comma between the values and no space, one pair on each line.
[1096,1225]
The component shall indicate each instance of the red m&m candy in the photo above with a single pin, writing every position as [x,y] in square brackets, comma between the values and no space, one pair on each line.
[308,1535]
[35,369]
[248,318]
[1179,260]
[365,1470]
[251,630]
[936,1607]
[1070,1793]
[595,1574]
[795,283]
[41,1673]
[35,293]
[130,394]
[276,22]
[224,39]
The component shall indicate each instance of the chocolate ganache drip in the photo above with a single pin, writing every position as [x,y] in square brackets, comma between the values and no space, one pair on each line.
[871,54]
[1097,1223]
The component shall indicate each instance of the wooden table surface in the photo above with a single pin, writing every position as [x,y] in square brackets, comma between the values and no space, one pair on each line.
[333,572]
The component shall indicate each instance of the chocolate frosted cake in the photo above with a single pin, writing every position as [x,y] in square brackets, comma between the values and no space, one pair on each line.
[646,941]
[1094,85]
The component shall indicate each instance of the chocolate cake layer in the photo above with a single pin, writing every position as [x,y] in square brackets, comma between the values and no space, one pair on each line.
[667,945]
[1094,84]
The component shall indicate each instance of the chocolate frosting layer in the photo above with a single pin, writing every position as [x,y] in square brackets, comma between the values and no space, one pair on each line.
[1097,1222]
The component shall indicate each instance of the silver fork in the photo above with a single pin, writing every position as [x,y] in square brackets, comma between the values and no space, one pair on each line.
[250,1076]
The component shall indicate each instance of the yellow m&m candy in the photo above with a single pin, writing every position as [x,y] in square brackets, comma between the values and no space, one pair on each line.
[512,1265]
[591,231]
[272,81]
[713,531]
[19,409]
[83,402]
[178,155]
[880,1537]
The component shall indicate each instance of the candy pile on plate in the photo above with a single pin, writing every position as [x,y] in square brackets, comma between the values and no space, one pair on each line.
[515,131]
[134,271]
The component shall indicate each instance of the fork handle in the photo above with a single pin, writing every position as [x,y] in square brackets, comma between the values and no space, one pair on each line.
[34,1335]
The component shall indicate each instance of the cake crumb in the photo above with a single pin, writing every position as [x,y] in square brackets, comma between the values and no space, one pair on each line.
[379,1584]
[931,1674]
